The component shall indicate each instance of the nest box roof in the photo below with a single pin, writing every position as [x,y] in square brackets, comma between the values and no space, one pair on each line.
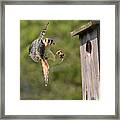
[90,25]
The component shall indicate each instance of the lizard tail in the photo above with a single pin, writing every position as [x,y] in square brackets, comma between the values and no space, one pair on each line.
[45,68]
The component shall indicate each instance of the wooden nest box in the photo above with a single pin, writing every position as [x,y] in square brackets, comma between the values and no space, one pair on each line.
[89,36]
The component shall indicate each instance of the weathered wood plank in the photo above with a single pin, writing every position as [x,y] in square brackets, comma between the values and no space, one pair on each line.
[95,62]
[83,62]
[90,71]
[89,76]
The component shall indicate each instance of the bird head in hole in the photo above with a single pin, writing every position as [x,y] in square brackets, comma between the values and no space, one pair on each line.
[89,46]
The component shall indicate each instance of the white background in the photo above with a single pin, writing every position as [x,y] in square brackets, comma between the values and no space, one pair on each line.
[13,15]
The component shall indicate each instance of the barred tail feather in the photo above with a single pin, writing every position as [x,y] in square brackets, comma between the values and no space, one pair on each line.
[43,32]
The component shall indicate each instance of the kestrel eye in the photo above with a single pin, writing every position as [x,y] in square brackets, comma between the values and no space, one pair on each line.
[43,33]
